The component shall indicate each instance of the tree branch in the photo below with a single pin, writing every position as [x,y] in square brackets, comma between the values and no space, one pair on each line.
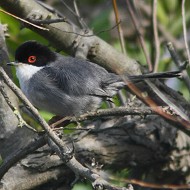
[119,111]
[178,63]
[98,51]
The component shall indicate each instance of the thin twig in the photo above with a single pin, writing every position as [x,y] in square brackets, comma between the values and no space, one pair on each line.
[79,18]
[85,33]
[80,21]
[50,8]
[122,42]
[76,8]
[69,8]
[119,111]
[167,36]
[156,37]
[185,30]
[119,28]
[178,63]
[123,111]
[184,124]
[137,27]
[179,121]
[175,109]
[25,21]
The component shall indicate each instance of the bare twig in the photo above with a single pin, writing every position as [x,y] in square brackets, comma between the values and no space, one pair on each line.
[156,37]
[79,18]
[185,30]
[76,8]
[122,42]
[171,112]
[80,21]
[119,28]
[178,63]
[25,21]
[85,33]
[119,111]
[69,8]
[137,27]
[176,110]
[180,120]
[167,36]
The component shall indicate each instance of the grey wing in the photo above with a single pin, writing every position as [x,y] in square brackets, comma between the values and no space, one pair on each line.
[80,77]
[50,97]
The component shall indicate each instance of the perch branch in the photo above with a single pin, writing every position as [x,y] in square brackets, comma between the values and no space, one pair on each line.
[118,111]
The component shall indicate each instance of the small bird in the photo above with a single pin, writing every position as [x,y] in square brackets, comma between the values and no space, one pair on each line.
[64,85]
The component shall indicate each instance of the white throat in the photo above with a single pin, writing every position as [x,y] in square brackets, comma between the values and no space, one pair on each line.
[24,72]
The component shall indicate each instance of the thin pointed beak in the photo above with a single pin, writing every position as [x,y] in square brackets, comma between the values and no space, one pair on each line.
[14,63]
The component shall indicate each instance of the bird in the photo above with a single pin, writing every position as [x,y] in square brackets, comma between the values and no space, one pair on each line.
[64,85]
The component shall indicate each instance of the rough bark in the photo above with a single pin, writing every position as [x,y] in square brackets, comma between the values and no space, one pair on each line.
[64,36]
[8,120]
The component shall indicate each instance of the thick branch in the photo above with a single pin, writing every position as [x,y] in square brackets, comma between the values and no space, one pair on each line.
[63,36]
[19,154]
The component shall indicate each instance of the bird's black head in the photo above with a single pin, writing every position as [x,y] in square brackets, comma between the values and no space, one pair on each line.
[34,53]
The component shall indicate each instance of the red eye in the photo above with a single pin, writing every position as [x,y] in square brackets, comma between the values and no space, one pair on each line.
[32,59]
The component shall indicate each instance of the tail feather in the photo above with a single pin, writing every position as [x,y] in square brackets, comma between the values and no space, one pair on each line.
[162,75]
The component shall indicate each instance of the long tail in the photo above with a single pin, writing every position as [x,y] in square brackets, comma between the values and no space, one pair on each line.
[162,75]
